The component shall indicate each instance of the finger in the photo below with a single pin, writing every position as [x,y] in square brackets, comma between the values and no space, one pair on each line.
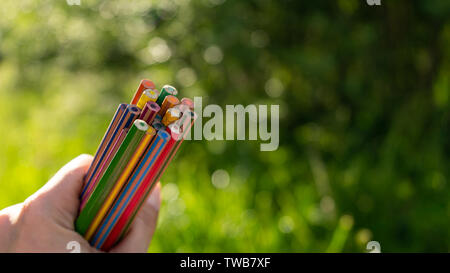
[69,179]
[61,193]
[144,225]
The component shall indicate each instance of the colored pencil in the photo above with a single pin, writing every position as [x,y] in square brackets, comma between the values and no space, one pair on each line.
[169,102]
[145,84]
[179,135]
[173,151]
[147,162]
[142,147]
[130,159]
[157,124]
[188,102]
[192,118]
[165,91]
[128,117]
[147,95]
[171,115]
[149,112]
[112,126]
[106,162]
[137,199]
[112,173]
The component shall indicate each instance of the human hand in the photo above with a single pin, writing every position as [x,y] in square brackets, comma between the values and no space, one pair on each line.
[44,222]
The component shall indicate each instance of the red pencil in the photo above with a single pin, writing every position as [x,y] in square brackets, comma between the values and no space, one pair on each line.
[145,84]
[141,192]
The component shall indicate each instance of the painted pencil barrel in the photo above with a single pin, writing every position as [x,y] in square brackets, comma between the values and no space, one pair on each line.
[111,153]
[137,199]
[149,112]
[171,115]
[188,102]
[125,170]
[165,91]
[181,107]
[169,102]
[145,84]
[175,132]
[106,182]
[154,176]
[186,118]
[157,124]
[162,169]
[179,134]
[135,181]
[112,126]
[129,116]
[147,95]
[142,147]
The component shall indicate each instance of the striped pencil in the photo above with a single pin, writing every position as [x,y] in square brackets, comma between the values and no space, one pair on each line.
[172,114]
[148,160]
[145,84]
[130,160]
[143,145]
[188,102]
[169,102]
[165,91]
[179,135]
[105,163]
[147,95]
[137,197]
[112,173]
[129,116]
[149,112]
[112,126]
[157,124]
[191,117]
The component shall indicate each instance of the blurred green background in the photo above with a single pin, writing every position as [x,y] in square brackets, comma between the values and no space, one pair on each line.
[364,95]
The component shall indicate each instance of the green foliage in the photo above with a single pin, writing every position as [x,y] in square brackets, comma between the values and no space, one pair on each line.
[364,122]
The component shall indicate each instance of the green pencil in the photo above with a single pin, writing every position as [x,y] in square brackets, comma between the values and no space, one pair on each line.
[115,168]
[165,91]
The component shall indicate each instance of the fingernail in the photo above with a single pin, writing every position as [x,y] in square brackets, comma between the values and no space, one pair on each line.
[155,197]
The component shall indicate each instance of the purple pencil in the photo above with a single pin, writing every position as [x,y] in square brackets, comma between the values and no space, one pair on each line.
[129,116]
[104,165]
[101,148]
[149,112]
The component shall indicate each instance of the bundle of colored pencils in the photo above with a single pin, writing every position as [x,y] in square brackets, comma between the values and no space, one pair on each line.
[138,145]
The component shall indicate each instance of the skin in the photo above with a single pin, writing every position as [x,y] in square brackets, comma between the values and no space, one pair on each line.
[44,222]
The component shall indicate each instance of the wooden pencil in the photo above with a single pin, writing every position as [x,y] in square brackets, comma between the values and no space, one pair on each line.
[115,168]
[112,126]
[169,102]
[149,158]
[103,165]
[149,112]
[192,117]
[145,84]
[137,197]
[130,160]
[143,145]
[165,91]
[147,95]
[129,116]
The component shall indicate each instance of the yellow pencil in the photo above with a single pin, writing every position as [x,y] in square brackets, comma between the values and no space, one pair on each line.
[147,95]
[120,182]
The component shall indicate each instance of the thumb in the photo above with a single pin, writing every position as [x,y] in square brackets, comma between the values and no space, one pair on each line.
[144,225]
[61,193]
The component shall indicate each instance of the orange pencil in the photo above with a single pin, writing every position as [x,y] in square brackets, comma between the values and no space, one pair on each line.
[145,84]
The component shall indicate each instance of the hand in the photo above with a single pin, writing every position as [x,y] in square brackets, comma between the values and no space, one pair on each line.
[44,222]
